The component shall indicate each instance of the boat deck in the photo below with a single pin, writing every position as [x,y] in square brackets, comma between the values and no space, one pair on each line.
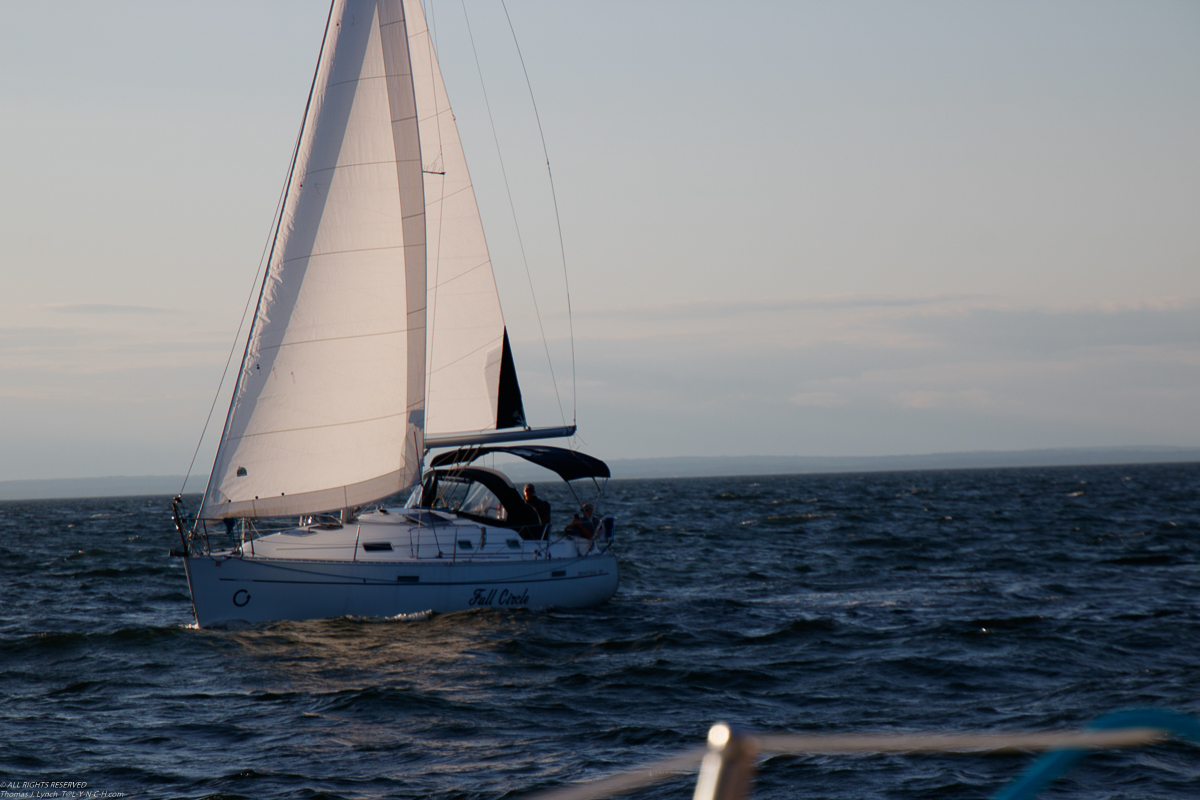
[401,534]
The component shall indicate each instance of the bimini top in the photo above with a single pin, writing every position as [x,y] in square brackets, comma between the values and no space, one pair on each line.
[567,464]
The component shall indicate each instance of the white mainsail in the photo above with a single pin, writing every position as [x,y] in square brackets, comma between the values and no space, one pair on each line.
[380,243]
[328,408]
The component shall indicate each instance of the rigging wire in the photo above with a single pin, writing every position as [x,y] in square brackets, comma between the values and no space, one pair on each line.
[272,239]
[232,347]
[562,249]
[516,225]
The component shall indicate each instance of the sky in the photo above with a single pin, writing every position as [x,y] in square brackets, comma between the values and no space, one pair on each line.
[791,228]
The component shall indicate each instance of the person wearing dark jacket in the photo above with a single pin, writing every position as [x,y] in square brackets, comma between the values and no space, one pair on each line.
[539,505]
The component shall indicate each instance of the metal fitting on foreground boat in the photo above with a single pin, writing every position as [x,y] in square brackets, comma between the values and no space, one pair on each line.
[727,770]
[728,766]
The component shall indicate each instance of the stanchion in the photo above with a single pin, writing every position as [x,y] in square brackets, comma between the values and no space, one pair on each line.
[728,767]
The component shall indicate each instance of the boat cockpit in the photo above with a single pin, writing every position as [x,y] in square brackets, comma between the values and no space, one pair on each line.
[480,494]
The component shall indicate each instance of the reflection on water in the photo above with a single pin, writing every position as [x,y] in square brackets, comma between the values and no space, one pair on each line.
[324,655]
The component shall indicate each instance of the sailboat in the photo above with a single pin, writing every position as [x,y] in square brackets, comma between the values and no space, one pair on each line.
[378,337]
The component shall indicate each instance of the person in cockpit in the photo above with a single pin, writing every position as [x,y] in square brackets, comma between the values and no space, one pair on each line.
[585,523]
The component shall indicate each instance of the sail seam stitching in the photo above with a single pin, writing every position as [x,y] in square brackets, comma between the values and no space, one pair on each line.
[359,164]
[266,348]
[455,192]
[360,79]
[316,427]
[343,252]
[460,358]
[463,274]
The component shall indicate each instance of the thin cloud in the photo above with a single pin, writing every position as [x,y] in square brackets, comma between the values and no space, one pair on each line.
[710,309]
[14,338]
[103,308]
[955,323]
[945,399]
[707,309]
[1060,330]
[818,399]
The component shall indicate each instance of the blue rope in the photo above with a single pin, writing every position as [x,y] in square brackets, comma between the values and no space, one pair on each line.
[1055,763]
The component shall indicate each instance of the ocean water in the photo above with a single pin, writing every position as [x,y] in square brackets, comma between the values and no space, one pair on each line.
[977,600]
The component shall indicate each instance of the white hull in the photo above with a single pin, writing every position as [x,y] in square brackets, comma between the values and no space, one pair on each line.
[254,584]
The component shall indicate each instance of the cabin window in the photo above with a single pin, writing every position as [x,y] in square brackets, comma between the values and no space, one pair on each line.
[482,503]
[468,497]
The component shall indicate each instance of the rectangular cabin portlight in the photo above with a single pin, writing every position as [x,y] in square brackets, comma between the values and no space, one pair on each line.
[408,578]
[513,544]
[558,573]
[465,544]
[377,547]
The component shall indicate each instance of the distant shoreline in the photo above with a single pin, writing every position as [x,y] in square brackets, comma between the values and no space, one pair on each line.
[695,467]
[676,467]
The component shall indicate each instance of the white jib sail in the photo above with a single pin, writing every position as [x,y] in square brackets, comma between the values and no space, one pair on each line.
[466,325]
[328,410]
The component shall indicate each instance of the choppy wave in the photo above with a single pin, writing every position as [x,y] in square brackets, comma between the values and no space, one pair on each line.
[944,601]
